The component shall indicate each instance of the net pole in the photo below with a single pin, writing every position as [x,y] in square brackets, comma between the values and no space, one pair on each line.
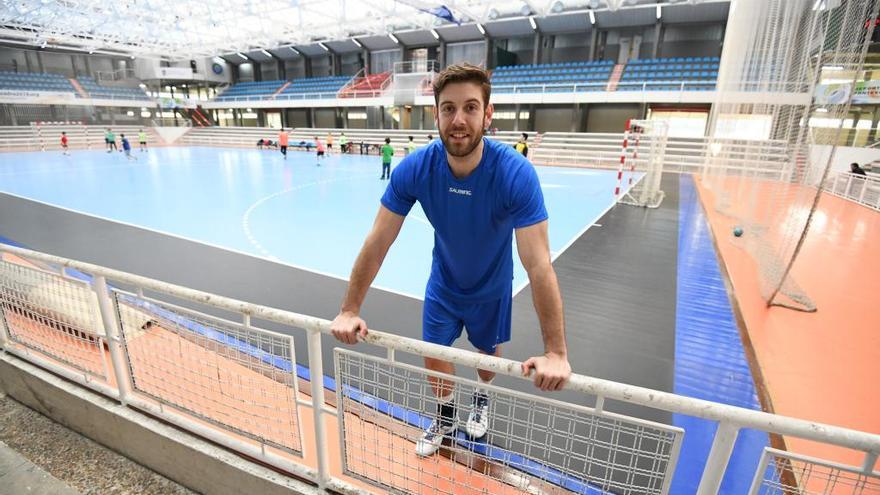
[622,159]
[632,167]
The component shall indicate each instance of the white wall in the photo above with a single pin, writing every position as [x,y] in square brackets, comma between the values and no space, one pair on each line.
[844,156]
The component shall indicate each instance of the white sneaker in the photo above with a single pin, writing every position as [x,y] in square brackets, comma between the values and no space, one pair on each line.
[432,439]
[478,420]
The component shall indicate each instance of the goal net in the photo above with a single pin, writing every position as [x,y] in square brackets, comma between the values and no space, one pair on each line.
[644,147]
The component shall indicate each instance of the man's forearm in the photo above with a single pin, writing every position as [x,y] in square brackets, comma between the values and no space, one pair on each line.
[365,268]
[548,304]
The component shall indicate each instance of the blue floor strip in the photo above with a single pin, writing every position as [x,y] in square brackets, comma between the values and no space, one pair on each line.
[710,363]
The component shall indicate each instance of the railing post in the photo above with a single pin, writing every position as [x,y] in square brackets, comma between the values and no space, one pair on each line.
[864,188]
[316,379]
[759,473]
[4,334]
[113,336]
[716,464]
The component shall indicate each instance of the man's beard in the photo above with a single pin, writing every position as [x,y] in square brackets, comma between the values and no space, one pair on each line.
[465,148]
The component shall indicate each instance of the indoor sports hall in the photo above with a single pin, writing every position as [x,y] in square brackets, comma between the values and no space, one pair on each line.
[185,188]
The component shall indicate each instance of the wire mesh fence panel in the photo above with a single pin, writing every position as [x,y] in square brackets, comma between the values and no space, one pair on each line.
[234,376]
[53,315]
[782,473]
[533,445]
[769,90]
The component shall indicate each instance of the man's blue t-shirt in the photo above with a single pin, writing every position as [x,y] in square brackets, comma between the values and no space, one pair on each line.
[473,218]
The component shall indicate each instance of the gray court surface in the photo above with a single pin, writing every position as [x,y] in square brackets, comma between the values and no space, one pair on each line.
[617,281]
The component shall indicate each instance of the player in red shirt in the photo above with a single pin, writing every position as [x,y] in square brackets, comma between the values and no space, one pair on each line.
[64,143]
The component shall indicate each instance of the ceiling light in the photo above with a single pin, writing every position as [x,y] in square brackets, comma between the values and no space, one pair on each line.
[393,38]
[822,110]
[322,45]
[481,29]
[294,50]
[592,17]
[659,11]
[493,14]
[241,55]
[435,34]
[132,57]
[594,4]
[533,23]
[557,7]
[264,52]
[525,10]
[356,42]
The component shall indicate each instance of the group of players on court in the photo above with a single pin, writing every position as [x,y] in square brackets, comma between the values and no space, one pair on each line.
[110,142]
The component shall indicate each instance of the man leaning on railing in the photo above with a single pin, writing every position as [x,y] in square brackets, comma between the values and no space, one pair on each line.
[476,192]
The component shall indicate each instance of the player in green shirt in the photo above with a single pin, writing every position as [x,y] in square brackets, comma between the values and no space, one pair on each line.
[343,143]
[110,138]
[142,140]
[387,153]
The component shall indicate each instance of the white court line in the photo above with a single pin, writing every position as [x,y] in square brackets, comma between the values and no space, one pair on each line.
[265,254]
[556,254]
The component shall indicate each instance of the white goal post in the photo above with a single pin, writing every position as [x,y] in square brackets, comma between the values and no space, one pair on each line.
[644,148]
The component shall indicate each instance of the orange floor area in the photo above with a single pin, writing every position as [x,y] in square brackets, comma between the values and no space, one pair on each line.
[822,366]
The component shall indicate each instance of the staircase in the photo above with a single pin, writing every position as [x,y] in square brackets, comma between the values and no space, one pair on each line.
[614,80]
[280,90]
[79,89]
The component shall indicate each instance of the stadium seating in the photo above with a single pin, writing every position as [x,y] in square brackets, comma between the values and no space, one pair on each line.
[670,74]
[552,78]
[298,88]
[95,90]
[251,90]
[366,87]
[327,87]
[26,81]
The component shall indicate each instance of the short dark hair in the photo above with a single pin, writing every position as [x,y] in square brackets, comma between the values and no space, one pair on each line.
[410,138]
[463,73]
[525,136]
[387,140]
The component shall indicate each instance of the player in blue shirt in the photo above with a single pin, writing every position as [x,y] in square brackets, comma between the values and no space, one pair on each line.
[476,193]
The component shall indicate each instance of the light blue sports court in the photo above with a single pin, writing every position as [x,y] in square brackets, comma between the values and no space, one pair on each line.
[291,211]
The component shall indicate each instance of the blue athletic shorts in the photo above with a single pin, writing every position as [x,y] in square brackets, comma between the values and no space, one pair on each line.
[488,324]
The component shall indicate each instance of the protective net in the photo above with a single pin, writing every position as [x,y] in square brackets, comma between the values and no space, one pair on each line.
[758,167]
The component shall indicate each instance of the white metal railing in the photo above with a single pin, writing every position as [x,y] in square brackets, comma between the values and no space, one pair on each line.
[115,75]
[259,348]
[769,159]
[279,97]
[561,87]
[861,189]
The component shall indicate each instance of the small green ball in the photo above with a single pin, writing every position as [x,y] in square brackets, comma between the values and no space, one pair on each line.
[737,231]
